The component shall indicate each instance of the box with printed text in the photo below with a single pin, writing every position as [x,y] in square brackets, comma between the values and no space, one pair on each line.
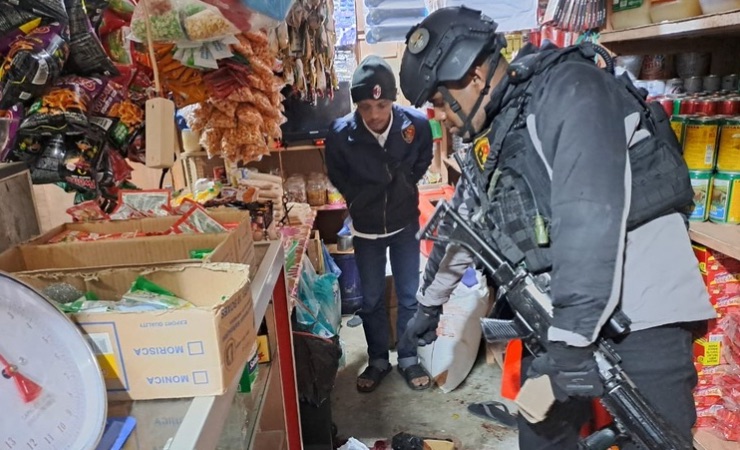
[174,353]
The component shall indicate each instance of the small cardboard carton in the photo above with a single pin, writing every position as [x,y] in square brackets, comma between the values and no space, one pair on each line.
[235,246]
[176,353]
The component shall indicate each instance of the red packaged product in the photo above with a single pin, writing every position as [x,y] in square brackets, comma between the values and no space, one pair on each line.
[728,424]
[150,203]
[197,220]
[87,212]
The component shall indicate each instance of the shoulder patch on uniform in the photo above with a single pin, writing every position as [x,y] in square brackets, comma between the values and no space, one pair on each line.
[481,149]
[409,133]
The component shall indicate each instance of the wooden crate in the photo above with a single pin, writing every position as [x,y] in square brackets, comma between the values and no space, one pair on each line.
[19,219]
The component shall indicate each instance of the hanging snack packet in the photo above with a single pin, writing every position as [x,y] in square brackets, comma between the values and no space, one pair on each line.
[46,168]
[81,159]
[151,203]
[8,38]
[197,220]
[10,121]
[87,212]
[164,18]
[147,292]
[129,117]
[124,8]
[12,18]
[47,8]
[64,108]
[113,169]
[205,23]
[33,63]
[87,56]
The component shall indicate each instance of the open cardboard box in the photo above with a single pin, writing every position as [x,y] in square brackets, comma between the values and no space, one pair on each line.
[173,353]
[235,246]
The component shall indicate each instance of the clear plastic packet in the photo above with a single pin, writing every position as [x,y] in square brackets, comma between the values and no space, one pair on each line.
[197,220]
[150,203]
[147,292]
[203,22]
[164,18]
[125,212]
[87,212]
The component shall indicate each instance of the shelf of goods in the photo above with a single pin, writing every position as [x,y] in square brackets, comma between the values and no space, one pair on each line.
[295,243]
[265,419]
[716,34]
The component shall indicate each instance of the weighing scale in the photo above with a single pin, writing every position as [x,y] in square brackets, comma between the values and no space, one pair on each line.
[52,391]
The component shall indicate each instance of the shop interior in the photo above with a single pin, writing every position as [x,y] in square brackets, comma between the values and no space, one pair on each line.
[172,249]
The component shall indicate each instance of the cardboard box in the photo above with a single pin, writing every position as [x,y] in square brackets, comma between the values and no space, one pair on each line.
[168,354]
[708,349]
[263,349]
[36,255]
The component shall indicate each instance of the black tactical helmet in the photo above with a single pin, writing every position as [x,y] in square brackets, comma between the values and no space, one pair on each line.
[443,47]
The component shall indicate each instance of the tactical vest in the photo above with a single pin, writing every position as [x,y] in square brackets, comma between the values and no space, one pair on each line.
[516,182]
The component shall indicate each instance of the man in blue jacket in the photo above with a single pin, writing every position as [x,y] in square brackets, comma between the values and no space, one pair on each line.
[375,157]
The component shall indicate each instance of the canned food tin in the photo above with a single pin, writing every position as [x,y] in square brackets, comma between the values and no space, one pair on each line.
[725,203]
[728,149]
[689,105]
[729,83]
[701,181]
[678,123]
[674,86]
[729,106]
[712,83]
[667,104]
[693,85]
[700,143]
[707,107]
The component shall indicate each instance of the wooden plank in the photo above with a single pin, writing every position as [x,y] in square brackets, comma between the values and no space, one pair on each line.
[714,24]
[723,238]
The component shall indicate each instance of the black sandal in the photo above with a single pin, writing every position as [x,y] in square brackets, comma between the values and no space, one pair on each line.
[373,374]
[415,371]
[494,411]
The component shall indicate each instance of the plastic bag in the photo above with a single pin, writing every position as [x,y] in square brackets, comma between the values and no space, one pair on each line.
[87,56]
[87,212]
[64,108]
[33,63]
[47,8]
[274,9]
[145,291]
[181,20]
[319,312]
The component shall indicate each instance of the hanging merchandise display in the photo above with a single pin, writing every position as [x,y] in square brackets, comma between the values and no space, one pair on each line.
[80,79]
[306,43]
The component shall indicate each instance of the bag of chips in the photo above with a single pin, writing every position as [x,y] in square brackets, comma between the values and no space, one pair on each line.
[12,18]
[47,8]
[129,117]
[80,160]
[87,54]
[64,108]
[46,168]
[34,62]
[87,212]
[8,38]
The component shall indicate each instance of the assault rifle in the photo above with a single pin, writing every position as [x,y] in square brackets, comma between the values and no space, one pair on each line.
[529,299]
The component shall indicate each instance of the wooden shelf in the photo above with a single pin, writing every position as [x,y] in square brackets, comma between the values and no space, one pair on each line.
[723,238]
[296,148]
[341,207]
[710,25]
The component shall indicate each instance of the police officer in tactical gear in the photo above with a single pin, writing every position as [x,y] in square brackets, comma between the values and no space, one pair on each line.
[583,180]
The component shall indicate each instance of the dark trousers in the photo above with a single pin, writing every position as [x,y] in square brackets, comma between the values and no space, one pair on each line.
[370,255]
[660,363]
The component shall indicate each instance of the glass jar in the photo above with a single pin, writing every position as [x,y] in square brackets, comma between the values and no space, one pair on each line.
[295,189]
[669,10]
[316,191]
[630,14]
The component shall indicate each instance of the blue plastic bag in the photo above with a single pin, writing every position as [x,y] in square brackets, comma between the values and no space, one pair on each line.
[274,9]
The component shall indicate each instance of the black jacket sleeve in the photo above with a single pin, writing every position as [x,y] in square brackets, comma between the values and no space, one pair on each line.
[578,126]
[426,151]
[336,164]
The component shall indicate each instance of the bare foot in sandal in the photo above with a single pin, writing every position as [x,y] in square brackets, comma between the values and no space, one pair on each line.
[370,378]
[416,377]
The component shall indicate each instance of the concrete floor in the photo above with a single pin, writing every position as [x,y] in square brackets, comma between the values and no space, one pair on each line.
[394,408]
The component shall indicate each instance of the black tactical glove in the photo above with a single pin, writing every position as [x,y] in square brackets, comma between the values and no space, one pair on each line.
[572,370]
[422,328]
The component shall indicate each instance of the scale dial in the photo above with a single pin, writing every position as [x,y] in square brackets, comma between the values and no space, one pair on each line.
[52,392]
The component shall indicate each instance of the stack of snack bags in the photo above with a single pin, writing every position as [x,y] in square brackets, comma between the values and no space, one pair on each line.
[717,356]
